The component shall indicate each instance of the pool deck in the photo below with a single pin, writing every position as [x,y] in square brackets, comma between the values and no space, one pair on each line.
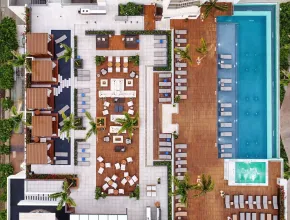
[197,125]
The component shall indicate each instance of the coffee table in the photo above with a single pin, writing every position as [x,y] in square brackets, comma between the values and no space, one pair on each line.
[117,139]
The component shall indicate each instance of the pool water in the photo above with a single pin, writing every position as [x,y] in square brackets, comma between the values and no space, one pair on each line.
[251,172]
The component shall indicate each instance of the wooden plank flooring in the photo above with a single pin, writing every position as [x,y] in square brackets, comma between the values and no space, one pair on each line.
[197,125]
[116,43]
[149,17]
[106,150]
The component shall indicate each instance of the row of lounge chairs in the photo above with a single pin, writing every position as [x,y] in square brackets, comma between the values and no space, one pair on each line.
[165,146]
[82,103]
[160,50]
[83,155]
[253,216]
[239,202]
[164,87]
[181,161]
[225,85]
[182,212]
[222,63]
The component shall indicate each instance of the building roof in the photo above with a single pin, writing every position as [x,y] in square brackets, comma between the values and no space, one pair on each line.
[36,98]
[37,43]
[36,153]
[41,71]
[41,126]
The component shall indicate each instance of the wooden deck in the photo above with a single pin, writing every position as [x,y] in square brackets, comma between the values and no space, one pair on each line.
[197,127]
[106,150]
[17,151]
[116,43]
[149,17]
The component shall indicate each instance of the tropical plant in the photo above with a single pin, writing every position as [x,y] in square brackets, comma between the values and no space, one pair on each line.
[99,60]
[184,54]
[4,149]
[17,118]
[6,103]
[135,193]
[93,124]
[284,77]
[205,185]
[130,9]
[6,76]
[134,60]
[19,59]
[68,124]
[67,53]
[3,215]
[6,128]
[212,4]
[64,196]
[177,99]
[128,123]
[203,47]
[175,135]
[182,187]
[99,194]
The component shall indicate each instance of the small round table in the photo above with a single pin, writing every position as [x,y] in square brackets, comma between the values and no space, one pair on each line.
[123,162]
[117,64]
[37,112]
[36,139]
[125,64]
[102,165]
[110,64]
[128,178]
[110,182]
[116,192]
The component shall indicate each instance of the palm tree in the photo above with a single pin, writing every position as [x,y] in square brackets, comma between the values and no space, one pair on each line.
[19,59]
[211,4]
[68,124]
[67,53]
[93,129]
[128,123]
[205,185]
[184,54]
[64,196]
[284,77]
[17,118]
[203,47]
[182,187]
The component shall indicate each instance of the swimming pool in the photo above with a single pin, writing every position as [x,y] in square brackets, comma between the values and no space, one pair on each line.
[250,172]
[249,42]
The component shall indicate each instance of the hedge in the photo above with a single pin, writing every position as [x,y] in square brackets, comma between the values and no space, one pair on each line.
[75,46]
[169,182]
[131,9]
[155,32]
[3,214]
[8,39]
[4,149]
[96,32]
[6,76]
[6,127]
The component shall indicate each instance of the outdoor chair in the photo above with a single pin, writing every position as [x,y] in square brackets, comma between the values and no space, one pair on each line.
[61,162]
[84,163]
[269,216]
[125,59]
[275,202]
[254,216]
[180,214]
[124,181]
[265,202]
[129,159]
[250,202]
[226,56]
[84,155]
[226,81]
[110,69]
[123,167]
[107,179]
[121,191]
[110,191]
[105,186]
[226,66]
[100,159]
[226,125]
[242,216]
[258,202]
[180,205]
[110,59]
[130,104]
[181,162]
[134,178]
[181,146]
[131,182]
[105,112]
[125,70]
[275,217]
[117,59]
[236,201]
[107,139]
[227,201]
[61,39]
[226,155]
[262,216]
[101,170]
[235,217]
[61,154]
[107,165]
[107,104]
[60,53]
[131,112]
[241,201]
[118,69]
[117,166]
[226,88]
[248,216]
[114,185]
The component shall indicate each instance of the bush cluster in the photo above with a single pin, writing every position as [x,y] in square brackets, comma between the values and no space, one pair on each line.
[131,9]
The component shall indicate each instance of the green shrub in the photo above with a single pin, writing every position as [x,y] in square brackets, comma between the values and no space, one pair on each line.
[29,118]
[6,103]
[6,77]
[99,60]
[3,196]
[134,60]
[282,94]
[99,194]
[96,32]
[135,193]
[4,149]
[8,40]
[130,9]
[6,127]
[28,80]
[6,169]
[3,214]
[284,58]
[75,46]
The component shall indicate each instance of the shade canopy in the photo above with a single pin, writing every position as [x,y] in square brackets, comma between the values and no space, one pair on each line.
[36,153]
[37,44]
[36,98]
[41,71]
[42,126]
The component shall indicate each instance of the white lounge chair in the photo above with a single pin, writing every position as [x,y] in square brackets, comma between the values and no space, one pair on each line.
[269,216]
[226,66]
[84,163]
[262,216]
[180,146]
[181,72]
[180,31]
[226,146]
[226,134]
[226,113]
[226,80]
[226,56]
[100,159]
[226,88]
[181,170]
[248,216]
[236,201]
[226,125]
[226,155]
[61,162]
[101,170]
[181,155]
[61,154]
[60,53]
[164,149]
[265,202]
[275,202]
[110,191]
[241,201]
[180,162]
[250,202]
[254,216]
[61,39]
[227,201]
[242,216]
[105,186]
[165,135]
[226,105]
[258,202]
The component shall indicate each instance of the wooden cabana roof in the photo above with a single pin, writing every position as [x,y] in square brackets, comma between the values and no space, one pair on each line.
[42,126]
[37,44]
[36,98]
[41,71]
[36,153]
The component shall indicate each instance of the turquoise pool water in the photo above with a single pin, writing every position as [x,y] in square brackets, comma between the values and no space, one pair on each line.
[251,172]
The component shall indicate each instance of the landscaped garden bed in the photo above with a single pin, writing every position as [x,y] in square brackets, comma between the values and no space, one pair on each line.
[131,9]
[101,122]
[78,63]
[96,32]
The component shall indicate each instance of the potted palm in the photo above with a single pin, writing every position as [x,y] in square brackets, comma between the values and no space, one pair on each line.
[203,47]
[205,185]
[128,123]
[182,187]
[17,118]
[184,54]
[68,124]
[67,53]
[210,5]
[64,197]
[19,60]
[93,124]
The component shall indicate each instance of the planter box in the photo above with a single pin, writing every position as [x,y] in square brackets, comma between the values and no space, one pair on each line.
[78,63]
[77,183]
[102,125]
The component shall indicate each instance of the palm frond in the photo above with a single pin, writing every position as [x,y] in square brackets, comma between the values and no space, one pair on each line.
[89,134]
[55,195]
[60,205]
[89,116]
[71,202]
